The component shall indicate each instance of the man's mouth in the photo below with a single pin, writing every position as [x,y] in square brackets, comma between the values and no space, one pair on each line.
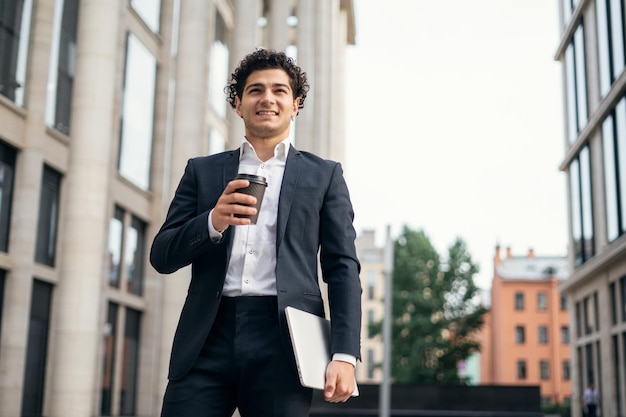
[267,113]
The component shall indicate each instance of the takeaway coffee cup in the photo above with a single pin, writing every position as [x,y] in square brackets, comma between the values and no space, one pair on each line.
[257,187]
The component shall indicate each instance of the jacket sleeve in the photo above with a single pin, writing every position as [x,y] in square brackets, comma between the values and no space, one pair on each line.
[184,235]
[340,266]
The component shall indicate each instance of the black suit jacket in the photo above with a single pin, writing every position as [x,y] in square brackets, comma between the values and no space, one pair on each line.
[314,213]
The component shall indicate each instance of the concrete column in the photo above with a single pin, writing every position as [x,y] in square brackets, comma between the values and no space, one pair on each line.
[245,36]
[188,133]
[24,216]
[322,87]
[79,296]
[277,24]
[337,138]
[305,43]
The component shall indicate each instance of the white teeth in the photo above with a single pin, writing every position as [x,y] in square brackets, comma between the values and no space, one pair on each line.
[267,112]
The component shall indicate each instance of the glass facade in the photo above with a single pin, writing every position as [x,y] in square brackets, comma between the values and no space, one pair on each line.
[15,20]
[7,172]
[614,157]
[137,113]
[582,206]
[576,84]
[610,34]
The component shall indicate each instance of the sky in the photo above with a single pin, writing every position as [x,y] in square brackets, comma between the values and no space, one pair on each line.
[455,124]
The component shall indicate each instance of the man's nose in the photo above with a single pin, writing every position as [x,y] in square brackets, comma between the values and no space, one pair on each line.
[268,97]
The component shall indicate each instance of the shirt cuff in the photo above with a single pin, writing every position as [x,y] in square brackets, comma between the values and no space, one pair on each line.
[215,236]
[344,357]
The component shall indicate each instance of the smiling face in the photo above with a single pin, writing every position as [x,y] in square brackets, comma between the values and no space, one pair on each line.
[267,106]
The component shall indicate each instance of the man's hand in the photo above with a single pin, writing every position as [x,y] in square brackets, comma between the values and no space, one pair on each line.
[340,381]
[231,203]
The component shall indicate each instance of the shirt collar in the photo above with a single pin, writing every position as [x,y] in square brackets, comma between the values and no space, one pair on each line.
[280,151]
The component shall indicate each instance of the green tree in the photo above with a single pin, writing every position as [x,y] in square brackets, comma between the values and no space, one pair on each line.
[435,312]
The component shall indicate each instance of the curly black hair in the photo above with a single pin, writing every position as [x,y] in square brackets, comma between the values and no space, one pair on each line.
[266,59]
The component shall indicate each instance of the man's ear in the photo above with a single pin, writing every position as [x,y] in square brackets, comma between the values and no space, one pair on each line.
[238,106]
[296,104]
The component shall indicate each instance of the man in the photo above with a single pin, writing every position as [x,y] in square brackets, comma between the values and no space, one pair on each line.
[232,346]
[590,401]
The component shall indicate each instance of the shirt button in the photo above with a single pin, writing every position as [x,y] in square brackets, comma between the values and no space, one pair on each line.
[251,251]
[262,166]
[247,281]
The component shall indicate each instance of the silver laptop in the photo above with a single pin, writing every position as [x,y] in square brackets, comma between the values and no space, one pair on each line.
[310,336]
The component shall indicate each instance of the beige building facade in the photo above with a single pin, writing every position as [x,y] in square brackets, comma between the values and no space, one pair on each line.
[371,254]
[101,104]
[592,53]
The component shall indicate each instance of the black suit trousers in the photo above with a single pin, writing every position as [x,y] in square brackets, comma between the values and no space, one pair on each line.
[243,364]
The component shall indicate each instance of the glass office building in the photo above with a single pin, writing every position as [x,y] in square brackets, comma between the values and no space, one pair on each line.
[592,51]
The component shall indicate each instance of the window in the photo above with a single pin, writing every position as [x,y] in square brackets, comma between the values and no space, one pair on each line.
[542,300]
[371,284]
[614,154]
[218,66]
[62,65]
[520,335]
[130,321]
[47,225]
[7,170]
[2,278]
[521,369]
[568,8]
[135,250]
[576,84]
[591,319]
[15,17]
[370,363]
[519,301]
[127,233]
[582,216]
[565,335]
[542,336]
[622,287]
[566,370]
[613,296]
[544,369]
[564,303]
[137,114]
[150,12]
[370,317]
[618,365]
[578,320]
[108,360]
[130,360]
[610,25]
[116,228]
[36,349]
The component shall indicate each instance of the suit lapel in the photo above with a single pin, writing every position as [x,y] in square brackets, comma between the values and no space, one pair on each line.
[231,166]
[290,180]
